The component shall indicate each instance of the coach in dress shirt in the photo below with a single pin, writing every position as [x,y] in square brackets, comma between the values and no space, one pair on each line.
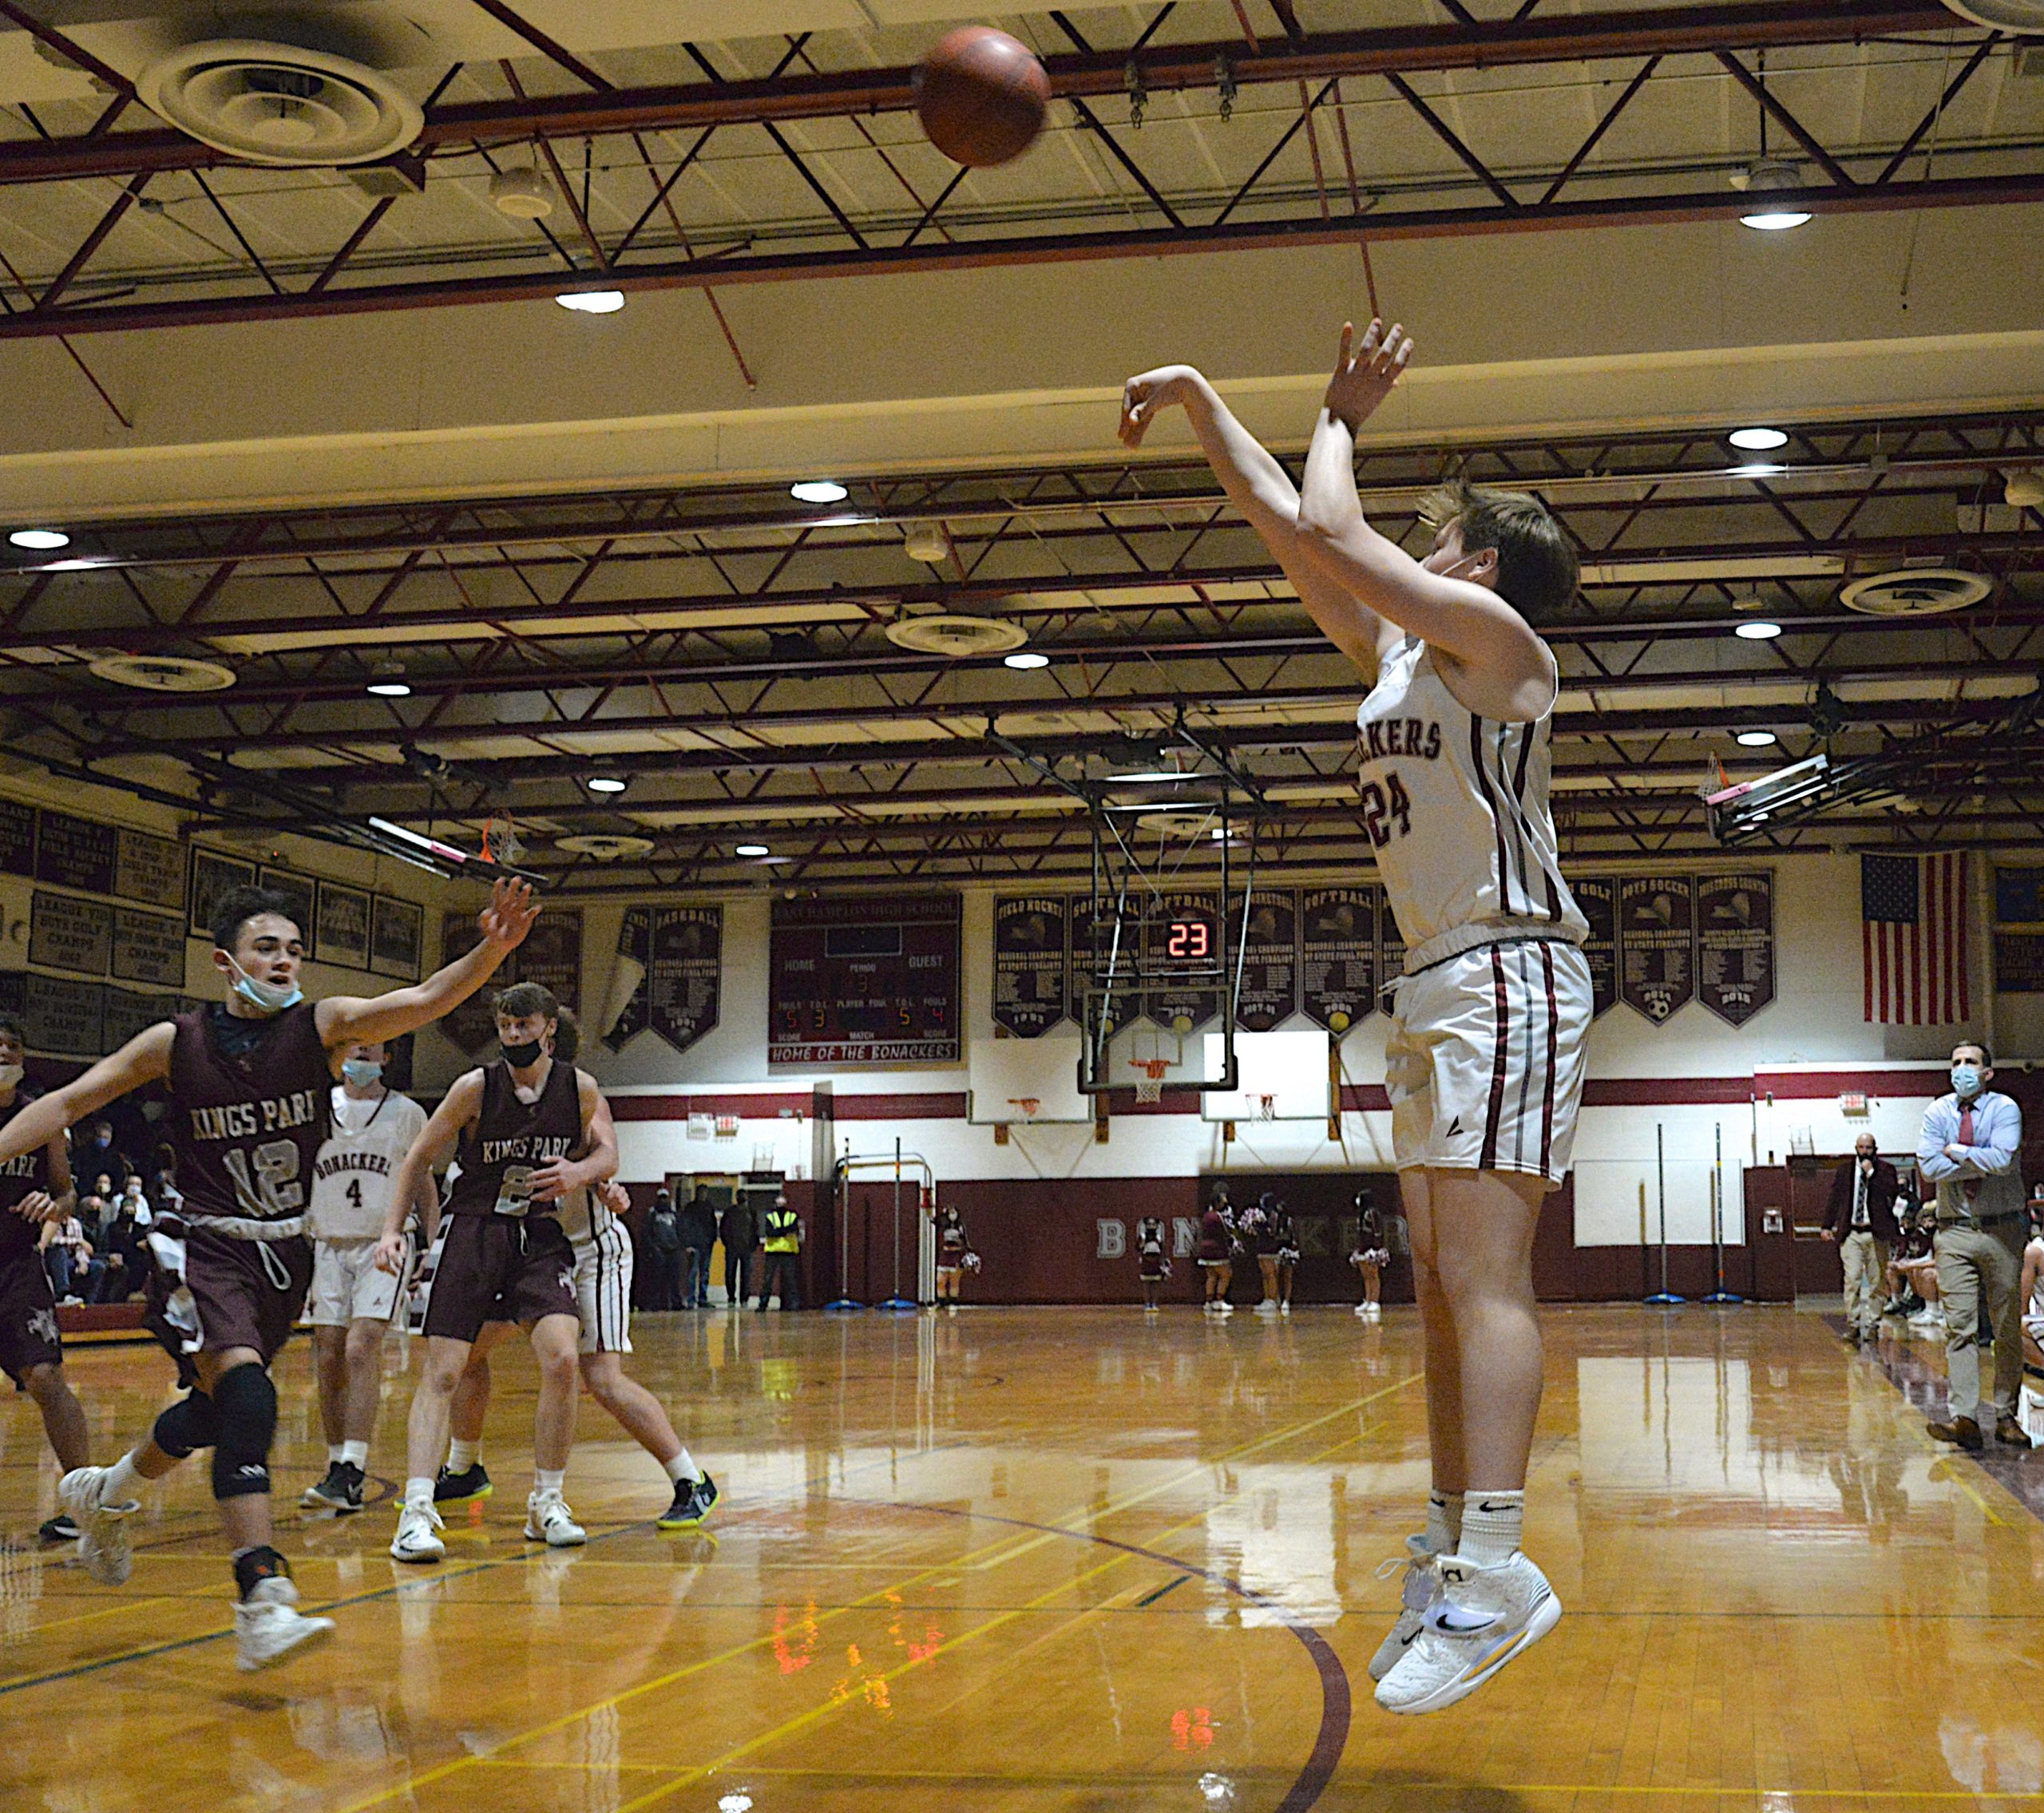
[1860,1217]
[1969,1148]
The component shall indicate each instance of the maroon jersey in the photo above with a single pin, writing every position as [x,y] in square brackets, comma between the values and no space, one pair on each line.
[509,1139]
[253,1105]
[19,1177]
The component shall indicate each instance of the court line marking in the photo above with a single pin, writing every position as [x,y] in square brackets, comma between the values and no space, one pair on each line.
[412,1783]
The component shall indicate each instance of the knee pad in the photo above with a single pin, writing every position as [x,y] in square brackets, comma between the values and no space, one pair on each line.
[246,1403]
[189,1424]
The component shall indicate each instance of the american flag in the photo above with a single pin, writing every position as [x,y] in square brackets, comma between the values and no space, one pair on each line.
[1913,930]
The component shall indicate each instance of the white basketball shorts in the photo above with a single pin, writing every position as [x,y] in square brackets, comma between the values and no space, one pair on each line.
[603,1290]
[1485,1060]
[346,1286]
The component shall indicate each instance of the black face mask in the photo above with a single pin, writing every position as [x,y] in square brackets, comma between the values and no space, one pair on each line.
[521,1057]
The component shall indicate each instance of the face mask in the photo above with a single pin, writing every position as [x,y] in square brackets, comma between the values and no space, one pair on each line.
[361,1071]
[10,1075]
[521,1057]
[271,997]
[1965,1079]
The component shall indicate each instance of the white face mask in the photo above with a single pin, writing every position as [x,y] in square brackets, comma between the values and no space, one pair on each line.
[271,997]
[10,1075]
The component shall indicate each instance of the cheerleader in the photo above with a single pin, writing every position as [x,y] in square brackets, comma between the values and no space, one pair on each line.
[1216,1241]
[2030,1402]
[953,1253]
[1370,1258]
[1153,1265]
[1277,1253]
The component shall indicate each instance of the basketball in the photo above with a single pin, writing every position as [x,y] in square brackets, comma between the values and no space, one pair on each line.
[981,96]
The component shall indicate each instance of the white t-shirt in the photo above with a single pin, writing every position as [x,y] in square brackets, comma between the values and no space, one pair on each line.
[352,1176]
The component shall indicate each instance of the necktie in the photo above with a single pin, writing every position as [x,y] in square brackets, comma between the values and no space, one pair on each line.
[1971,1186]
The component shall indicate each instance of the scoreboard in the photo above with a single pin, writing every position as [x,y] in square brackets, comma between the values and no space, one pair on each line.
[865,981]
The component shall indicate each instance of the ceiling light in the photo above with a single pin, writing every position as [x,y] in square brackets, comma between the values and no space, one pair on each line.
[1756,632]
[1755,740]
[389,689]
[607,784]
[1024,659]
[1771,175]
[1155,777]
[751,849]
[1757,440]
[1775,219]
[592,301]
[818,491]
[40,539]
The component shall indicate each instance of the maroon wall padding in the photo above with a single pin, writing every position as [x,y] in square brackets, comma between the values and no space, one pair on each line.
[1038,1238]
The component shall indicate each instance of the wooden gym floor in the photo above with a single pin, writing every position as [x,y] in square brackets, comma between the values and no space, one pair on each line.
[1065,1559]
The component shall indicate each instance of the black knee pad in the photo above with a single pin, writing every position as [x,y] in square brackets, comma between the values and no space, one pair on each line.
[246,1402]
[187,1426]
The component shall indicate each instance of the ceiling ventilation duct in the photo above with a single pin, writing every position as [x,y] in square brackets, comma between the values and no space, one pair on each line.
[955,637]
[270,100]
[1915,592]
[2019,16]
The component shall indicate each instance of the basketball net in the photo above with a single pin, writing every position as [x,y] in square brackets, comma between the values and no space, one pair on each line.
[500,842]
[1267,1108]
[1028,1104]
[1149,1085]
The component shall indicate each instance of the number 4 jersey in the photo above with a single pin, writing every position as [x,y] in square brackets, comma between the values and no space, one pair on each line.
[352,1176]
[1457,809]
[251,1112]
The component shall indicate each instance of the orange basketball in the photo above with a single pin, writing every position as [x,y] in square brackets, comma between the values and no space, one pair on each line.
[981,96]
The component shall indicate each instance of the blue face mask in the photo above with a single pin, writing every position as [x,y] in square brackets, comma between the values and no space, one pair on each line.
[1965,1079]
[361,1071]
[268,996]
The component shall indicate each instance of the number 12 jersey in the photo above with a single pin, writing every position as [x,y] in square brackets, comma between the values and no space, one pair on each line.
[250,1112]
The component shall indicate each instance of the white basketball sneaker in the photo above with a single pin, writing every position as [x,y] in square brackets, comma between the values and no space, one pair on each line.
[548,1520]
[1422,1586]
[1482,1618]
[416,1540]
[103,1551]
[268,1625]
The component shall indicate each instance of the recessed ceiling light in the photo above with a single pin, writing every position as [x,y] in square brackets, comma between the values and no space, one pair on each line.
[607,784]
[389,689]
[1775,220]
[1757,440]
[592,301]
[818,491]
[40,539]
[1755,740]
[1756,632]
[751,849]
[1024,659]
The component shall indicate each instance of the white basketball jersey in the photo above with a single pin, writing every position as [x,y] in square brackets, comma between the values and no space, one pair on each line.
[1457,809]
[351,1177]
[583,1218]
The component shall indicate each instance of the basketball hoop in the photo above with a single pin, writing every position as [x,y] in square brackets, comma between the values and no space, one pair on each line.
[1149,1085]
[1267,1108]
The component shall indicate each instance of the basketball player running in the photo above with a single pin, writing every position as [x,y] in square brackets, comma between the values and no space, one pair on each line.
[36,1187]
[602,1244]
[249,1079]
[1485,1064]
[353,1299]
[532,1132]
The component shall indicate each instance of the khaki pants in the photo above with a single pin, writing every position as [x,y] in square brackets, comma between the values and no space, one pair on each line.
[1866,1268]
[1980,1278]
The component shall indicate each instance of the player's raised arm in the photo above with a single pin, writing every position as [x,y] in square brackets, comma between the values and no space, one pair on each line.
[144,1058]
[560,1178]
[371,1020]
[1258,486]
[1447,600]
[457,1112]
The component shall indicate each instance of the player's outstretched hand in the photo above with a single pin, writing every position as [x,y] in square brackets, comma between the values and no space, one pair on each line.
[1364,374]
[1147,393]
[389,1254]
[510,914]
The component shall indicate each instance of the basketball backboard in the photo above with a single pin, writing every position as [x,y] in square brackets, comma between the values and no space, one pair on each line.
[1283,1076]
[1026,1081]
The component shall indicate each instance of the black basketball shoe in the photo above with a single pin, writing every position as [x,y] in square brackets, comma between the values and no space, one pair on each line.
[462,1488]
[339,1492]
[692,1500]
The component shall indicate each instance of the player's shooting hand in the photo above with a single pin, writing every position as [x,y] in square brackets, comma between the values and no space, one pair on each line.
[1364,374]
[556,1178]
[389,1254]
[509,915]
[1143,396]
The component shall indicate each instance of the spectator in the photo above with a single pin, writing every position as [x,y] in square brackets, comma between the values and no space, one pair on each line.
[94,1154]
[780,1231]
[699,1234]
[125,1248]
[1969,1149]
[1913,1272]
[133,1202]
[741,1236]
[2037,1209]
[663,1243]
[74,1272]
[1860,1215]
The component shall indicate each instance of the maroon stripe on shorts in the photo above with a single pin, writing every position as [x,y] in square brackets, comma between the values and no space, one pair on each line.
[1488,1159]
[1491,806]
[1554,1038]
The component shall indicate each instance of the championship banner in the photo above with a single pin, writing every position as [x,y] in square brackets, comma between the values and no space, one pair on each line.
[1270,993]
[1338,954]
[70,934]
[1031,975]
[1735,944]
[1657,944]
[1092,944]
[1598,896]
[670,964]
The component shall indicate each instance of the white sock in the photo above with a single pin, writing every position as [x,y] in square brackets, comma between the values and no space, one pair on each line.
[1490,1527]
[462,1456]
[544,1481]
[355,1454]
[1443,1521]
[681,1468]
[121,1482]
[335,1450]
[418,1492]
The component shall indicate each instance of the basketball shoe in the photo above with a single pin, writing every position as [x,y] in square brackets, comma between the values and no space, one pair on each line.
[548,1520]
[268,1625]
[462,1488]
[1482,1618]
[417,1540]
[1422,1586]
[103,1551]
[692,1500]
